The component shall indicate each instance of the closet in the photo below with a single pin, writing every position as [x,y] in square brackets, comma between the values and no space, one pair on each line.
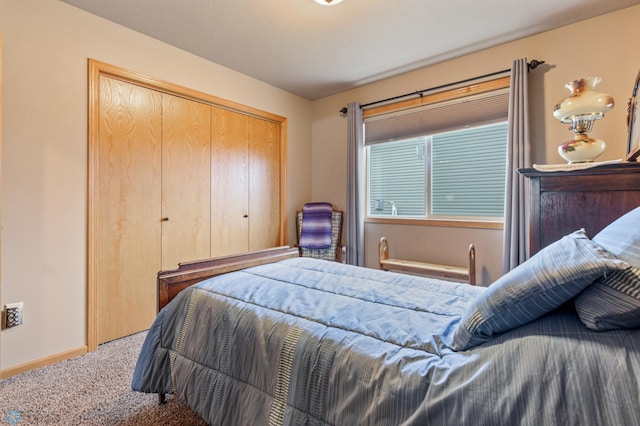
[245,206]
[128,206]
[172,178]
[186,181]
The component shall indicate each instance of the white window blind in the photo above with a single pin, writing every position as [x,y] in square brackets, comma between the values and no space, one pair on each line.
[438,117]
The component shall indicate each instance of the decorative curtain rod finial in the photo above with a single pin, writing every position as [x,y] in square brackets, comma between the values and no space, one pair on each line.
[534,64]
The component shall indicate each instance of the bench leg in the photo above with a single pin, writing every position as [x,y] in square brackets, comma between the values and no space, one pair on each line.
[383,252]
[472,265]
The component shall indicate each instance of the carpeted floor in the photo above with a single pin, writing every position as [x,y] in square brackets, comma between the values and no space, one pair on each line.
[93,389]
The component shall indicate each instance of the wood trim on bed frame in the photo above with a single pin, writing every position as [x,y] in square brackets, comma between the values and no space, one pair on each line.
[170,283]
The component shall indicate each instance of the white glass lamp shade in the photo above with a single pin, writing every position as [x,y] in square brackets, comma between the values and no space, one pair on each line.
[328,2]
[584,101]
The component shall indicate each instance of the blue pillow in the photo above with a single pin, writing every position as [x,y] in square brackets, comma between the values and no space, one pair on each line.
[613,302]
[547,280]
[622,238]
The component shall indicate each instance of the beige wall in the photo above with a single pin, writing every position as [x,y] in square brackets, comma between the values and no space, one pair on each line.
[44,181]
[46,46]
[598,47]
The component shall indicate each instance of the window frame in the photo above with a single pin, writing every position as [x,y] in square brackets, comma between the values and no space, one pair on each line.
[457,93]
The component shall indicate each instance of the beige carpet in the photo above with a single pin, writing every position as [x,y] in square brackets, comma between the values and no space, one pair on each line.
[93,389]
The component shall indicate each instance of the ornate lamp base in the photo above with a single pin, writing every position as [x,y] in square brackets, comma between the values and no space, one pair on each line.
[581,149]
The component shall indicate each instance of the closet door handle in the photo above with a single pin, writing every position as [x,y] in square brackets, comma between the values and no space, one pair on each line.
[245,216]
[165,219]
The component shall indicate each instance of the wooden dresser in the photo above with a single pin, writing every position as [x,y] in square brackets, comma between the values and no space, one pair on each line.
[563,202]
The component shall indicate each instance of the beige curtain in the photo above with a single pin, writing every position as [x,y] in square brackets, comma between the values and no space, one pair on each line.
[516,212]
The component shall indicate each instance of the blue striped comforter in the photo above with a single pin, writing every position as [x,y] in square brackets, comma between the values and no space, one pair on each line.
[306,341]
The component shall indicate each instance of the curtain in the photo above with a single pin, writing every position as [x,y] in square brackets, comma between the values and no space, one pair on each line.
[516,212]
[355,186]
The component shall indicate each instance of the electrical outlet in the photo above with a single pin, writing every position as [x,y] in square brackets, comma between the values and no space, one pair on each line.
[12,314]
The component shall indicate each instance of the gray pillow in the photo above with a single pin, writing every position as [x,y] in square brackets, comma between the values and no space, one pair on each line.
[613,302]
[547,280]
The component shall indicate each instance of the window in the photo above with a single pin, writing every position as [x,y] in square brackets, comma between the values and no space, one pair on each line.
[465,177]
[443,161]
[398,177]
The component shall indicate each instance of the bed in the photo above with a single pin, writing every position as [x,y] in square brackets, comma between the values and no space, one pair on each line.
[270,338]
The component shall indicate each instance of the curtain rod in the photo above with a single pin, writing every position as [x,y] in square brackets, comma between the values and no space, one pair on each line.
[530,66]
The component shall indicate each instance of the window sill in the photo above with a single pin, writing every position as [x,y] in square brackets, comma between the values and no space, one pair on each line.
[451,223]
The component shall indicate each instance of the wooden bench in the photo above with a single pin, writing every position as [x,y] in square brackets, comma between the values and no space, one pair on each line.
[429,269]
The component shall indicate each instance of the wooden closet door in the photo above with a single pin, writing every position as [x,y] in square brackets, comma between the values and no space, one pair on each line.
[128,208]
[264,184]
[186,181]
[230,182]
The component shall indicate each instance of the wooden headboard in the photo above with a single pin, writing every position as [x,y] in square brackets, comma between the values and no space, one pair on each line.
[563,202]
[170,283]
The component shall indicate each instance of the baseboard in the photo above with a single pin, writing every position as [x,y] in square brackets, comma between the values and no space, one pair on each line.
[42,362]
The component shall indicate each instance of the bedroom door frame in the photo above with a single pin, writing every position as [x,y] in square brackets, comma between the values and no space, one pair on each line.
[96,69]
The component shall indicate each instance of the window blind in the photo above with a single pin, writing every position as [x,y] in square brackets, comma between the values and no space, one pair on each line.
[468,172]
[397,174]
[437,117]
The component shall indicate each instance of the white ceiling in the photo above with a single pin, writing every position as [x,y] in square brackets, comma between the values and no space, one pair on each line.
[315,51]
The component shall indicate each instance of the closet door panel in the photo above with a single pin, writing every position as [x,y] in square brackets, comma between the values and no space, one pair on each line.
[186,181]
[128,207]
[264,184]
[230,182]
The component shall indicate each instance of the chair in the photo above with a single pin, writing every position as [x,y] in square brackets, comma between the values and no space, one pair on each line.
[336,252]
